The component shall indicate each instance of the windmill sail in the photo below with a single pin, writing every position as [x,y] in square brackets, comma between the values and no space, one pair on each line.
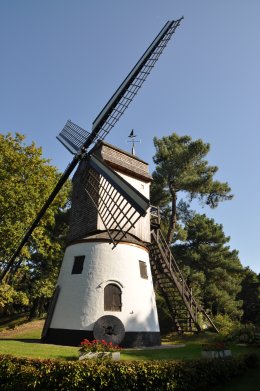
[103,123]
[121,99]
[73,137]
[119,204]
[124,95]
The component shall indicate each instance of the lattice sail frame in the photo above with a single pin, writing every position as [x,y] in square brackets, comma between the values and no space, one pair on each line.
[118,203]
[73,137]
[124,95]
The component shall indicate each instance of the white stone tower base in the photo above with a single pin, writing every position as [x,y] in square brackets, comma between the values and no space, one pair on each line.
[82,299]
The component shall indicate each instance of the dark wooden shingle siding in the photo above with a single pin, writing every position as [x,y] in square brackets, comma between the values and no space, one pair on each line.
[83,214]
[124,162]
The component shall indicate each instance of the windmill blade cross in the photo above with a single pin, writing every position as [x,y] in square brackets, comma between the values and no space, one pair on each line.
[103,123]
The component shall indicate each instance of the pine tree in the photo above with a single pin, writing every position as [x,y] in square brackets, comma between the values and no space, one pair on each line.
[181,168]
[250,295]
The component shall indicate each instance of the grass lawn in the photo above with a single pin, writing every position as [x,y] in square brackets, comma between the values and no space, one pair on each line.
[37,350]
[25,341]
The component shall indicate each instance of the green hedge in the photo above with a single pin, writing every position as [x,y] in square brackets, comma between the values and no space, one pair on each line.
[41,375]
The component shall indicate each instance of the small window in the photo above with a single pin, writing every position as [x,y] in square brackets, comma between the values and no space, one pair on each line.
[78,264]
[143,269]
[112,298]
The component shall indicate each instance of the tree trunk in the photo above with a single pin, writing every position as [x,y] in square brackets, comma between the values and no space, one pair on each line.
[173,218]
[38,308]
[34,309]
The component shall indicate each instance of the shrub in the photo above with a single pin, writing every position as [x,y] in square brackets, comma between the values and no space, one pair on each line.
[225,324]
[41,375]
[244,333]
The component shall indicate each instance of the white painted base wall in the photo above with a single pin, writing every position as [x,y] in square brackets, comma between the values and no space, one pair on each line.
[81,299]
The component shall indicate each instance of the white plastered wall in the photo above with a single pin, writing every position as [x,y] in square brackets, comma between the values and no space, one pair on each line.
[81,299]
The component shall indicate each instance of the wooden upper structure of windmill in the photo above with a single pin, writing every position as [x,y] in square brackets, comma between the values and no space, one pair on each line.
[89,197]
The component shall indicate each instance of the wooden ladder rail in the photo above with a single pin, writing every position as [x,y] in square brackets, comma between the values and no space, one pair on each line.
[173,273]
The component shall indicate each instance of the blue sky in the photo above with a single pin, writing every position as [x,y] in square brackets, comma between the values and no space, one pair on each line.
[63,59]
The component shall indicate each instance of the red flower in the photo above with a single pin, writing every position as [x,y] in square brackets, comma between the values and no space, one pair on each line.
[97,346]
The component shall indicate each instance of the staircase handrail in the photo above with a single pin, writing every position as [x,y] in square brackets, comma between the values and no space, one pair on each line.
[177,275]
[173,267]
[188,299]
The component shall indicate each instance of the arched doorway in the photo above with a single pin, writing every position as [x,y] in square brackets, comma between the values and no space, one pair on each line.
[112,298]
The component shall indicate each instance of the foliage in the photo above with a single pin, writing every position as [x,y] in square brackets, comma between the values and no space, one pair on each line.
[9,295]
[26,182]
[225,324]
[250,295]
[245,333]
[212,270]
[28,374]
[181,168]
[98,346]
[165,319]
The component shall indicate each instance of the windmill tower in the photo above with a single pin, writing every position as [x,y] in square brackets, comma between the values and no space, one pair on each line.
[105,292]
[106,262]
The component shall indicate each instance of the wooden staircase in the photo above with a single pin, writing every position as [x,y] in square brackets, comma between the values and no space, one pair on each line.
[170,282]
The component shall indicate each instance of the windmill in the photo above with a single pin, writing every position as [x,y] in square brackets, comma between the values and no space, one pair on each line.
[109,206]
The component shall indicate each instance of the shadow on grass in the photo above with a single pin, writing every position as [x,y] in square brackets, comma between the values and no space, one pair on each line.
[69,358]
[26,340]
[14,319]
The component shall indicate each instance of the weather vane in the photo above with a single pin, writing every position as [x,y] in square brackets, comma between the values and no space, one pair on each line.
[132,140]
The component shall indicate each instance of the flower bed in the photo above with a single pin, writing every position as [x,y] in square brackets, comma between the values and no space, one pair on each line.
[216,350]
[98,349]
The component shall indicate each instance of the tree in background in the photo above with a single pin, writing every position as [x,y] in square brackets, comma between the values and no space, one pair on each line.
[199,245]
[250,295]
[212,270]
[181,168]
[26,182]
